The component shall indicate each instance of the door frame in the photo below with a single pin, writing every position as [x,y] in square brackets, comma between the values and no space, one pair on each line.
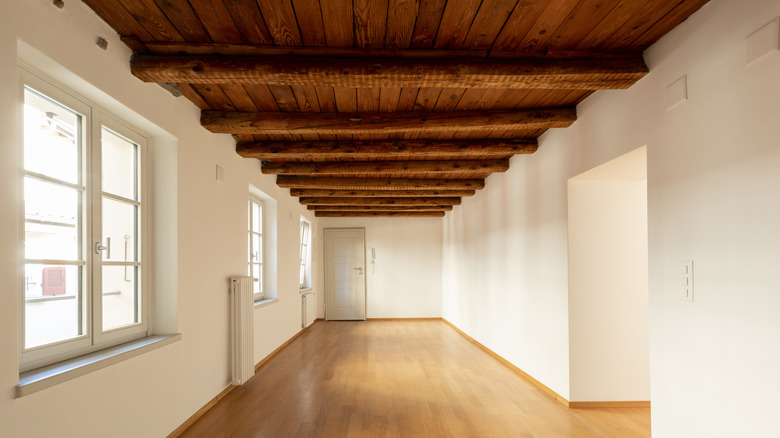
[326,276]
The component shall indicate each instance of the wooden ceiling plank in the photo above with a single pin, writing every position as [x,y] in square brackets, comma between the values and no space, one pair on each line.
[370,17]
[449,99]
[153,19]
[217,20]
[430,167]
[346,99]
[616,18]
[118,17]
[193,96]
[249,21]
[379,213]
[381,201]
[582,20]
[306,96]
[320,193]
[378,149]
[281,22]
[407,98]
[379,207]
[489,21]
[233,122]
[262,97]
[523,17]
[556,12]
[401,16]
[184,19]
[426,99]
[388,99]
[670,21]
[214,97]
[427,24]
[635,26]
[455,23]
[307,182]
[309,17]
[590,74]
[285,98]
[338,22]
[239,97]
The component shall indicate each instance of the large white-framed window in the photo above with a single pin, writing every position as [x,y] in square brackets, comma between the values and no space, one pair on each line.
[305,269]
[85,249]
[256,246]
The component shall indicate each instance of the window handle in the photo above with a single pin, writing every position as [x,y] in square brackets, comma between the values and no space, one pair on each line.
[360,270]
[107,248]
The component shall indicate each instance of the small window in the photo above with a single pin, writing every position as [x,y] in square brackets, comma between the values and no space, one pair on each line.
[84,230]
[305,271]
[256,246]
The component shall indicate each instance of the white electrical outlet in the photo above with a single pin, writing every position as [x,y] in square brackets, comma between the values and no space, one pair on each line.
[686,281]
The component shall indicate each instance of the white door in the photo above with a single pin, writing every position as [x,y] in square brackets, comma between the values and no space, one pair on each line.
[345,284]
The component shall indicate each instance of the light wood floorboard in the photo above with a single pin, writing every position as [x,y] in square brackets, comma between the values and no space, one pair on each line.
[400,379]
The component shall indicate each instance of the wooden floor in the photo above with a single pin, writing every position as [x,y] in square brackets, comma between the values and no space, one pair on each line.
[399,379]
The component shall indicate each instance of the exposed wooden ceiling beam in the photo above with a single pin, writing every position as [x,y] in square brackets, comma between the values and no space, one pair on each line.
[204,49]
[320,193]
[544,73]
[378,213]
[379,207]
[386,168]
[380,201]
[234,122]
[309,182]
[384,149]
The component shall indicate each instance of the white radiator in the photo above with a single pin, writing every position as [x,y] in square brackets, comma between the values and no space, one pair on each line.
[241,329]
[308,309]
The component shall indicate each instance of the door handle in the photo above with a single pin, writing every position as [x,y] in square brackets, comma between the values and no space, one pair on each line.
[360,270]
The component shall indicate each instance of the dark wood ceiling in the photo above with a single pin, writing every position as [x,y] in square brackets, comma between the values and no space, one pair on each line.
[388,107]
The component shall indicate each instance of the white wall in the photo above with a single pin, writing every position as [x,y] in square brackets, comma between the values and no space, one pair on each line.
[406,280]
[199,240]
[713,185]
[609,351]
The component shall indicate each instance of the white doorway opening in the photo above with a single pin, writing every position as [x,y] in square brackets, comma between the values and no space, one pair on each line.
[608,282]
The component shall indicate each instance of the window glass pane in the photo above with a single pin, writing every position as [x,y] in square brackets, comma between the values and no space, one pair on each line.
[119,231]
[257,218]
[121,297]
[257,276]
[54,305]
[257,248]
[119,165]
[51,221]
[51,138]
[303,274]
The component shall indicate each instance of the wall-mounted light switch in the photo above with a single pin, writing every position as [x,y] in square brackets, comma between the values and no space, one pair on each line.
[220,173]
[686,281]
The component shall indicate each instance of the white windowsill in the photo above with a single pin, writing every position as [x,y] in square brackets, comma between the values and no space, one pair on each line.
[265,302]
[46,377]
[306,291]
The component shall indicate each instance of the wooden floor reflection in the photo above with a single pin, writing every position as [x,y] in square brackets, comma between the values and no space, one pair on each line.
[400,379]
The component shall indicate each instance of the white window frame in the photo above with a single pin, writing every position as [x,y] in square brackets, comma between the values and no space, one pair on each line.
[258,296]
[93,119]
[305,255]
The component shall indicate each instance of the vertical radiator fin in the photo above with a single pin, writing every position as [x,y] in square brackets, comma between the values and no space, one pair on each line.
[242,329]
